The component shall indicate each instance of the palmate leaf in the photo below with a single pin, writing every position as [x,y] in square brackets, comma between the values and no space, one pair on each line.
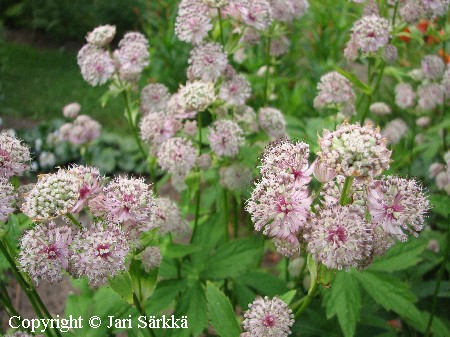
[345,302]
[221,312]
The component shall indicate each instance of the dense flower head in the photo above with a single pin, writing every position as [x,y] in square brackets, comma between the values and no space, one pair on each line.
[132,55]
[398,205]
[279,46]
[151,257]
[91,184]
[436,7]
[236,177]
[196,96]
[226,138]
[332,191]
[285,161]
[390,53]
[193,22]
[246,118]
[430,96]
[380,108]
[102,35]
[446,83]
[433,67]
[235,91]
[216,3]
[371,33]
[411,11]
[53,195]
[177,156]
[282,210]
[14,156]
[71,110]
[340,237]
[158,126]
[7,198]
[82,130]
[394,131]
[44,251]
[207,62]
[404,95]
[333,88]
[256,13]
[130,202]
[95,64]
[354,150]
[371,8]
[268,318]
[98,252]
[288,10]
[154,98]
[272,122]
[204,161]
[289,247]
[168,218]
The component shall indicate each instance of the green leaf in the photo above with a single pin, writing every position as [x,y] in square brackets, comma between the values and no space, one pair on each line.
[262,283]
[165,293]
[234,257]
[392,294]
[312,267]
[143,283]
[440,204]
[176,250]
[345,302]
[288,297]
[355,80]
[400,257]
[221,312]
[122,285]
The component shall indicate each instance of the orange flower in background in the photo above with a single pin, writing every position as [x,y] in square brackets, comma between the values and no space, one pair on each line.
[405,38]
[444,55]
[422,26]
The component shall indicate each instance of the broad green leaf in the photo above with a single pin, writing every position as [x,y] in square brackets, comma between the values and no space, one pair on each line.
[438,328]
[234,257]
[440,204]
[355,80]
[165,293]
[176,250]
[221,312]
[122,285]
[392,294]
[345,302]
[262,283]
[312,267]
[400,257]
[143,283]
[288,297]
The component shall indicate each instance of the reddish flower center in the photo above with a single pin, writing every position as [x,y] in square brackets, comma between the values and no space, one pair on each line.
[84,192]
[51,251]
[283,206]
[337,235]
[103,250]
[269,321]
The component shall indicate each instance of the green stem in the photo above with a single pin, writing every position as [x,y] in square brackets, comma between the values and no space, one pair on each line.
[75,221]
[308,299]
[5,300]
[131,124]
[395,14]
[235,219]
[266,79]
[374,89]
[142,313]
[198,193]
[439,280]
[219,14]
[345,190]
[225,208]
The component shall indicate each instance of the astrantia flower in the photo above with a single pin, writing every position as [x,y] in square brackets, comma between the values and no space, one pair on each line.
[177,156]
[193,22]
[332,191]
[226,138]
[235,91]
[282,210]
[95,64]
[98,252]
[154,98]
[430,96]
[53,195]
[132,55]
[340,237]
[287,162]
[398,205]
[246,118]
[272,122]
[196,96]
[207,62]
[355,151]
[216,3]
[446,83]
[7,199]
[436,7]
[268,318]
[256,13]
[81,131]
[204,161]
[371,8]
[289,247]
[433,67]
[151,257]
[130,202]
[71,110]
[411,11]
[279,46]
[394,131]
[158,126]
[404,95]
[390,53]
[236,177]
[91,184]
[14,156]
[322,172]
[44,252]
[333,88]
[168,218]
[371,33]
[380,108]
[102,35]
